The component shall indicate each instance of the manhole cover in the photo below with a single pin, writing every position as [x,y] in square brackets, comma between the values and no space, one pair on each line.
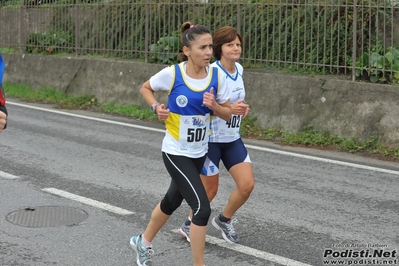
[47,216]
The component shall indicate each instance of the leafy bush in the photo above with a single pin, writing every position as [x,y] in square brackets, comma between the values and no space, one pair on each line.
[166,49]
[49,42]
[379,65]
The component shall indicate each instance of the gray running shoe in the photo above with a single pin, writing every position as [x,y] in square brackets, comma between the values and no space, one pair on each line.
[144,254]
[184,231]
[228,232]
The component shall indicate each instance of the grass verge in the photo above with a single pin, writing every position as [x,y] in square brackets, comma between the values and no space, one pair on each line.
[308,137]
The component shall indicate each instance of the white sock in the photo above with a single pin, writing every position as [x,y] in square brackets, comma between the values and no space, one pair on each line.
[145,242]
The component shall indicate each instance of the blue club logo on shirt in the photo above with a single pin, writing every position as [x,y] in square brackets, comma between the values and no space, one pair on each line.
[181,101]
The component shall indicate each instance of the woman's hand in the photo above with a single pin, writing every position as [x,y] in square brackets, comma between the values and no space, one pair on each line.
[209,100]
[162,112]
[240,108]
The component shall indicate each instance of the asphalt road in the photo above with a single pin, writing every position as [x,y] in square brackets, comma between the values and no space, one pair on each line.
[309,207]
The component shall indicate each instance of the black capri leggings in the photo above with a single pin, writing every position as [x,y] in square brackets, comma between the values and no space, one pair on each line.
[186,184]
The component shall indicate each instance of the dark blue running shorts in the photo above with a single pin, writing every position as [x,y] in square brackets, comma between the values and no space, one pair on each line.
[230,154]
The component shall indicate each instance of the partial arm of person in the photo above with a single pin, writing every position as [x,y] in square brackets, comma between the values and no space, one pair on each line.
[149,96]
[222,110]
[3,119]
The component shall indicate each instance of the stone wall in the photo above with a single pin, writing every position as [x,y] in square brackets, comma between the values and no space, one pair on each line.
[346,108]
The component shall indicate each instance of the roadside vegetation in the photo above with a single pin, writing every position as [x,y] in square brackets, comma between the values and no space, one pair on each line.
[308,137]
[297,36]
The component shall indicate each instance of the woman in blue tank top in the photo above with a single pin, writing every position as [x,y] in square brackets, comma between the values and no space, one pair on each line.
[196,94]
[225,142]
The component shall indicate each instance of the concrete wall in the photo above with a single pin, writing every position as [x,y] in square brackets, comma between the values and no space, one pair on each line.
[17,24]
[343,107]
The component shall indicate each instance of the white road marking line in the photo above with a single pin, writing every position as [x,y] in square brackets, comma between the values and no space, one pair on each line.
[359,166]
[7,175]
[87,117]
[252,252]
[88,201]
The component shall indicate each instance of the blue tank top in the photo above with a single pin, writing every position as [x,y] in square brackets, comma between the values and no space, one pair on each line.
[188,122]
[183,99]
